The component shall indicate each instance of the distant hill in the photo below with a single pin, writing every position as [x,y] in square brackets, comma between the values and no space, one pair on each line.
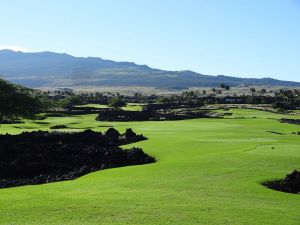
[49,69]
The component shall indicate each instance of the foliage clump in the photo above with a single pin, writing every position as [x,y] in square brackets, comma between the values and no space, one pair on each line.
[117,103]
[18,101]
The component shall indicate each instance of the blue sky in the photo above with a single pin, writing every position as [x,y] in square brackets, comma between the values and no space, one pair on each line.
[245,38]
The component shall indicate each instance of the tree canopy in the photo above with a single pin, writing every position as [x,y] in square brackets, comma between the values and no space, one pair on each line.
[117,103]
[16,101]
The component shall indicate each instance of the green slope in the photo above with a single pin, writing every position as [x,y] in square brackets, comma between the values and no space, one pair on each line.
[208,172]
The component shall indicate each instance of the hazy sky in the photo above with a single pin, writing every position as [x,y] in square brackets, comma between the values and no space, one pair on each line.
[246,38]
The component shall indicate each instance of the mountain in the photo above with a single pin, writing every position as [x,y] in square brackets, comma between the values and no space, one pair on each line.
[49,69]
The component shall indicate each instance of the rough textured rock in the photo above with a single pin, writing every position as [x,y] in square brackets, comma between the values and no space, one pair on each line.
[291,121]
[129,134]
[290,184]
[59,127]
[43,157]
[156,112]
[112,133]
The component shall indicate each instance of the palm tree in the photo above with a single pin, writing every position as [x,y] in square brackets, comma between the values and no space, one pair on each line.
[252,90]
[263,91]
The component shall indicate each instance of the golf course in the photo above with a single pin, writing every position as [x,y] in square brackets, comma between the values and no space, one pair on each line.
[207,171]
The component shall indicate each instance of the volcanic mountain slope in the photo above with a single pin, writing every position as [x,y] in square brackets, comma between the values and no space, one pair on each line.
[56,70]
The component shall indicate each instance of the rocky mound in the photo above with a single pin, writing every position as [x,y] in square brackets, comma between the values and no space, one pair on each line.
[43,157]
[59,127]
[290,184]
[156,112]
[291,121]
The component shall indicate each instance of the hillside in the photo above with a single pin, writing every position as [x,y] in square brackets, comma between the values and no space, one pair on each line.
[48,69]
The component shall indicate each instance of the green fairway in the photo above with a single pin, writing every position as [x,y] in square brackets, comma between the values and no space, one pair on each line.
[128,107]
[208,171]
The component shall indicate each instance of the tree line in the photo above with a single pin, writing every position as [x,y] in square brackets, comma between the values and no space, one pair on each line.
[18,101]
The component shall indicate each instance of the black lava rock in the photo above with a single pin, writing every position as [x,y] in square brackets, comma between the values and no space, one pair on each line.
[290,184]
[112,133]
[43,157]
[129,134]
[59,127]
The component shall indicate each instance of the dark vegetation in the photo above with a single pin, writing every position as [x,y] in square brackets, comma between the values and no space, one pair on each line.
[43,157]
[281,100]
[291,121]
[17,101]
[117,103]
[287,99]
[290,184]
[157,112]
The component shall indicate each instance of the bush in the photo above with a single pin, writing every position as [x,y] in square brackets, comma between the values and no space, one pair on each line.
[117,103]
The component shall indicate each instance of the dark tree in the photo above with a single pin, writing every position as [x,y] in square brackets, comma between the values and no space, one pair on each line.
[71,101]
[117,103]
[225,86]
[17,101]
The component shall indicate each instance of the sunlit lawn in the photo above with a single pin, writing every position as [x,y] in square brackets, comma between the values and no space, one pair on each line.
[208,171]
[128,107]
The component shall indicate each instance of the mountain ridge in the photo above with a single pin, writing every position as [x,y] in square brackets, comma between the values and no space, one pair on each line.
[50,69]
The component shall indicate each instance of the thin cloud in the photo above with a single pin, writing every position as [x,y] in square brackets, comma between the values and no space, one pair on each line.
[14,48]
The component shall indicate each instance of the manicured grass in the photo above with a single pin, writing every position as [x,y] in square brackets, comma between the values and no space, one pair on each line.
[129,107]
[238,113]
[99,106]
[208,172]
